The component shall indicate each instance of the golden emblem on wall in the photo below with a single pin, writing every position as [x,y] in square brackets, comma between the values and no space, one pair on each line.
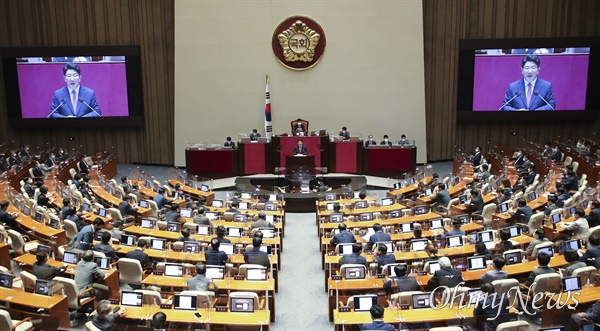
[299,42]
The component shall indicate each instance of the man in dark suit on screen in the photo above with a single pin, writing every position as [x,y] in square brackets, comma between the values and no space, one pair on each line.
[74,100]
[531,92]
[300,149]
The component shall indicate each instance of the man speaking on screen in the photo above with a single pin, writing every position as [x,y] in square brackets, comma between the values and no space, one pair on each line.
[531,92]
[74,100]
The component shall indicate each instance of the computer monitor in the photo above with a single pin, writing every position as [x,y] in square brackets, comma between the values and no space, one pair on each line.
[356,195]
[227,248]
[204,188]
[454,241]
[420,210]
[173,270]
[397,186]
[215,272]
[532,196]
[364,217]
[436,223]
[513,258]
[420,175]
[242,205]
[86,207]
[43,287]
[486,236]
[241,305]
[515,231]
[256,274]
[267,232]
[246,195]
[547,250]
[428,192]
[387,202]
[98,235]
[173,226]
[103,262]
[6,280]
[266,248]
[234,232]
[71,257]
[503,207]
[26,210]
[38,216]
[54,223]
[180,179]
[144,204]
[211,215]
[477,262]
[463,219]
[574,244]
[44,248]
[147,223]
[203,230]
[336,218]
[345,249]
[364,302]
[556,218]
[406,227]
[585,204]
[131,298]
[330,206]
[571,284]
[243,218]
[388,244]
[184,302]
[488,189]
[217,203]
[269,206]
[158,244]
[433,267]
[102,212]
[456,180]
[395,213]
[108,189]
[330,197]
[186,212]
[271,218]
[148,184]
[463,199]
[418,245]
[127,240]
[361,204]
[190,183]
[272,197]
[422,300]
[411,181]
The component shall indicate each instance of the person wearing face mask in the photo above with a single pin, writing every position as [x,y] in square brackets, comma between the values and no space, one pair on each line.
[345,134]
[476,159]
[74,100]
[13,160]
[519,160]
[386,141]
[25,153]
[371,141]
[556,155]
[547,150]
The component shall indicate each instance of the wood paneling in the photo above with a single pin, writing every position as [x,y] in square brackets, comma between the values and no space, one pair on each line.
[148,23]
[447,21]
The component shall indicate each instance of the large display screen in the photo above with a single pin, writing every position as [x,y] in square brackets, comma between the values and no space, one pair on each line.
[528,79]
[73,86]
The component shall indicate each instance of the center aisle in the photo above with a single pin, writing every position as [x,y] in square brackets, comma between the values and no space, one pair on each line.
[301,301]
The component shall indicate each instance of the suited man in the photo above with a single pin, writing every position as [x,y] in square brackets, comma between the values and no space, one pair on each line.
[229,143]
[104,318]
[87,272]
[37,171]
[261,222]
[539,237]
[300,149]
[200,282]
[446,276]
[442,197]
[105,247]
[74,100]
[525,165]
[25,153]
[201,218]
[476,204]
[476,160]
[497,273]
[530,92]
[255,255]
[379,235]
[386,141]
[43,270]
[401,282]
[543,268]
[592,252]
[84,166]
[125,208]
[84,238]
[345,134]
[254,135]
[13,159]
[547,150]
[593,217]
[160,199]
[355,257]
[403,141]
[531,175]
[370,141]
[50,161]
[556,155]
[214,256]
[570,182]
[493,306]
[383,257]
[523,213]
[518,161]
[7,218]
[299,127]
[139,254]
[562,197]
[343,236]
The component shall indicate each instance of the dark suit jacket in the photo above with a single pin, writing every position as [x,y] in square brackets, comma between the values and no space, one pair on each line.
[256,256]
[343,237]
[492,306]
[389,143]
[126,209]
[523,214]
[477,159]
[446,277]
[66,109]
[370,143]
[540,270]
[140,256]
[403,284]
[215,257]
[50,162]
[254,136]
[571,184]
[378,237]
[592,253]
[593,217]
[353,259]
[518,161]
[543,87]
[300,150]
[345,135]
[476,205]
[8,219]
[556,156]
[385,259]
[37,172]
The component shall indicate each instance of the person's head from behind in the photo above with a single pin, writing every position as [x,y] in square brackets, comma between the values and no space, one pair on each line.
[499,262]
[221,231]
[123,179]
[159,320]
[377,227]
[441,186]
[521,202]
[256,242]
[551,199]
[4,204]
[98,224]
[488,288]
[43,190]
[376,311]
[215,244]
[336,207]
[579,213]
[72,75]
[142,243]
[104,308]
[362,195]
[474,194]
[127,199]
[418,233]
[262,215]
[88,255]
[456,224]
[539,234]
[594,240]
[200,268]
[400,270]
[485,167]
[571,255]
[543,258]
[41,256]
[445,262]
[530,67]
[356,248]
[118,224]
[504,234]
[480,248]
[595,204]
[431,250]
[105,237]
[185,232]
[381,250]
[235,204]
[174,207]
[71,211]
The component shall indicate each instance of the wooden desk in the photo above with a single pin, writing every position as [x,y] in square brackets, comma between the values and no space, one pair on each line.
[111,277]
[409,189]
[5,255]
[194,192]
[55,308]
[114,202]
[562,305]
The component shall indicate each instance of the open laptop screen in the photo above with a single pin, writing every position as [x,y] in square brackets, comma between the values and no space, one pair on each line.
[433,267]
[256,274]
[234,232]
[364,302]
[486,236]
[454,241]
[173,270]
[6,280]
[43,287]
[191,247]
[336,218]
[437,223]
[246,195]
[242,305]
[406,227]
[147,223]
[387,202]
[513,258]
[227,248]
[173,226]
[70,257]
[144,203]
[184,302]
[477,263]
[571,284]
[131,298]
[418,245]
[127,240]
[215,272]
[186,212]
[217,203]
[158,244]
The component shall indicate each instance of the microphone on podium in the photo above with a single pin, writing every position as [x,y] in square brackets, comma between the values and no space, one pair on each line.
[541,97]
[90,107]
[510,100]
[62,102]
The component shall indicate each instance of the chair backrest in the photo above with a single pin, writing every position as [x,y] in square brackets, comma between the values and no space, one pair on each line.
[70,289]
[89,326]
[586,273]
[130,271]
[403,298]
[455,294]
[582,178]
[595,230]
[150,297]
[575,165]
[153,207]
[534,252]
[535,221]
[168,190]
[70,229]
[487,214]
[568,161]
[99,254]
[509,288]
[115,214]
[5,320]
[514,326]
[246,295]
[205,298]
[133,197]
[73,172]
[17,242]
[28,279]
[546,283]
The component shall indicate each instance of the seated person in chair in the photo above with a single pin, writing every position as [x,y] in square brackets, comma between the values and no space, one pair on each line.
[200,282]
[344,133]
[377,312]
[299,128]
[255,255]
[42,270]
[87,273]
[104,318]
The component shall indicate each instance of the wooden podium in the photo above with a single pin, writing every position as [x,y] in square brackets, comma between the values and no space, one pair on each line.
[307,161]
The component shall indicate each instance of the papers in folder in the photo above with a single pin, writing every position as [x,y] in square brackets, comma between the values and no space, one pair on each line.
[299,155]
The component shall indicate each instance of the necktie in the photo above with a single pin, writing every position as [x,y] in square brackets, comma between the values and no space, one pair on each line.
[74,101]
[529,90]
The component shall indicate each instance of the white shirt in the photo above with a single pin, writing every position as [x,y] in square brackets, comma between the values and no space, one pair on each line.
[580,227]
